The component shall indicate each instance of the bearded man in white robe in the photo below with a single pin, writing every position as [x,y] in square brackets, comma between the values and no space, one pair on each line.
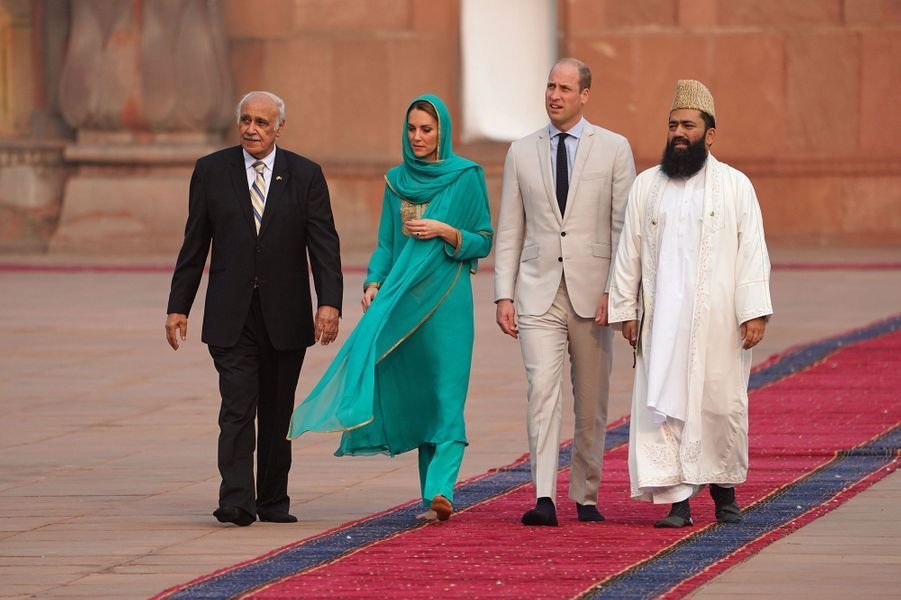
[691,287]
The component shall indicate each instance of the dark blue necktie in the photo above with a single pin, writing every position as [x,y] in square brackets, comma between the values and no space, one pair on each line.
[562,172]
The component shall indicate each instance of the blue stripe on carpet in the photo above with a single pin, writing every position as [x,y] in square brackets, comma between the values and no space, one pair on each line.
[758,519]
[695,553]
[801,358]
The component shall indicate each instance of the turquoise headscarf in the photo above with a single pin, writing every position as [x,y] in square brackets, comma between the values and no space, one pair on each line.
[421,277]
[419,180]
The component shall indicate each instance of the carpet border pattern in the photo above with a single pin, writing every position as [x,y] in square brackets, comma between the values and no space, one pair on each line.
[708,551]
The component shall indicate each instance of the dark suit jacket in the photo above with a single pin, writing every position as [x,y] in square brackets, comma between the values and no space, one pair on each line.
[297,220]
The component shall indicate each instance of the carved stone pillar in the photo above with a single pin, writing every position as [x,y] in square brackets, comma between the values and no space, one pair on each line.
[32,170]
[32,176]
[147,88]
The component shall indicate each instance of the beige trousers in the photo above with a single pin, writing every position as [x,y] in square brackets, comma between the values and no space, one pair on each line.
[544,341]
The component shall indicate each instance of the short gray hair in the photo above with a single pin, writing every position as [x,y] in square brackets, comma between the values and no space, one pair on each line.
[278,103]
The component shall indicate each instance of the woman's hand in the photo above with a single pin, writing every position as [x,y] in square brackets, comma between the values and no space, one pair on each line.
[426,229]
[368,297]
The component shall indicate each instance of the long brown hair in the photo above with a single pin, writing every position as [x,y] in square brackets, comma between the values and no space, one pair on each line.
[425,107]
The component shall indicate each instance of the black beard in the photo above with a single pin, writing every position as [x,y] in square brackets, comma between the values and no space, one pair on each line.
[683,163]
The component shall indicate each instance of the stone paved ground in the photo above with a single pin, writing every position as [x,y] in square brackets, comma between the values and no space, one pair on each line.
[107,445]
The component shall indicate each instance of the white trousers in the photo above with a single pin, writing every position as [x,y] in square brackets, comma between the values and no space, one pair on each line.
[545,341]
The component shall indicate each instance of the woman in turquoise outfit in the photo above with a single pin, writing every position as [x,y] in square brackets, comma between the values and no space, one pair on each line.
[399,383]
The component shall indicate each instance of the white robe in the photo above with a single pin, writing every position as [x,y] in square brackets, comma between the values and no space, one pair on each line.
[679,232]
[731,286]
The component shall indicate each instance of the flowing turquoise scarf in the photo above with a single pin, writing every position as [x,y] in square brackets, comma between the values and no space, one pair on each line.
[420,279]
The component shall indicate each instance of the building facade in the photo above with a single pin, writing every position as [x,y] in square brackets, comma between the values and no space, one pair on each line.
[105,106]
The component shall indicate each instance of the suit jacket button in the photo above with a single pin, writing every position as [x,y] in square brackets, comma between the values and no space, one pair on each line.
[559,259]
[562,234]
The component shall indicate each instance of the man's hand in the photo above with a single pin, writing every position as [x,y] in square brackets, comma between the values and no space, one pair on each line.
[176,326]
[752,332]
[630,332]
[368,297]
[601,317]
[506,318]
[326,325]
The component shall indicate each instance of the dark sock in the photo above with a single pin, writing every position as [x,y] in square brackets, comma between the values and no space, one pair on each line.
[681,509]
[722,495]
[545,505]
[588,512]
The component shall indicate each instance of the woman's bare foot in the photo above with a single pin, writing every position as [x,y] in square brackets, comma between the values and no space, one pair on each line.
[429,515]
[442,507]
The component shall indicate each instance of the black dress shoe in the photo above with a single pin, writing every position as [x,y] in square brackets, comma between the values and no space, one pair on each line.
[233,514]
[588,512]
[544,514]
[277,518]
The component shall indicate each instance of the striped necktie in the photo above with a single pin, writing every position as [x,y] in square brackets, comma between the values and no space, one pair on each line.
[258,194]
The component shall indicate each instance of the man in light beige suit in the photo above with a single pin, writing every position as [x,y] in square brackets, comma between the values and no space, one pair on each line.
[562,209]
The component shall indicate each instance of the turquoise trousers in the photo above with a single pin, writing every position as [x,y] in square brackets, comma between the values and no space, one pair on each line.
[439,465]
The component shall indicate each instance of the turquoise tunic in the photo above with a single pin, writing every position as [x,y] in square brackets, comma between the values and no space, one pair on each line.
[422,384]
[399,382]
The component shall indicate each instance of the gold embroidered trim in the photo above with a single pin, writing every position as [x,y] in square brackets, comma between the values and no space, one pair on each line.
[371,419]
[410,211]
[373,284]
[390,187]
[459,237]
[438,145]
[429,314]
[364,424]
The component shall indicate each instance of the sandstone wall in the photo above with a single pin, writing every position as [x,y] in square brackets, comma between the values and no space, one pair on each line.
[805,90]
[347,71]
[805,93]
[805,96]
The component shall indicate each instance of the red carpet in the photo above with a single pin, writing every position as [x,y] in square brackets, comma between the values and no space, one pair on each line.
[824,425]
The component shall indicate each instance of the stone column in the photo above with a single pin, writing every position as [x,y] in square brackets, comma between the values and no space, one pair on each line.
[32,170]
[146,86]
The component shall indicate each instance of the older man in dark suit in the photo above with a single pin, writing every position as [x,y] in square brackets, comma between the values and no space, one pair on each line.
[265,210]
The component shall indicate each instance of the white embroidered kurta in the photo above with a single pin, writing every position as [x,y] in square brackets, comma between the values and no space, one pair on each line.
[731,286]
[679,230]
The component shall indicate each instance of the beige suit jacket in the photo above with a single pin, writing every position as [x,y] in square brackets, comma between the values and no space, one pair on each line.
[535,246]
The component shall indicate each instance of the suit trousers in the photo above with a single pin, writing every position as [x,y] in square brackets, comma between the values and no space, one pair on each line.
[545,341]
[255,380]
